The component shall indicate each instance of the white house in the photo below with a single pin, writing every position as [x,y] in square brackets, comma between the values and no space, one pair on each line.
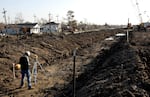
[36,29]
[22,28]
[51,27]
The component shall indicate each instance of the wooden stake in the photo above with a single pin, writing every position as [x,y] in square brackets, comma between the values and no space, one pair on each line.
[127,35]
[74,71]
[14,71]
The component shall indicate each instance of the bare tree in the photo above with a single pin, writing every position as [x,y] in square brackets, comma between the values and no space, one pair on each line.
[71,21]
[70,15]
[19,18]
[42,21]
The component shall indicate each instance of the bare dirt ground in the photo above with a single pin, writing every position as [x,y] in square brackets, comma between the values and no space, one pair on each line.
[121,70]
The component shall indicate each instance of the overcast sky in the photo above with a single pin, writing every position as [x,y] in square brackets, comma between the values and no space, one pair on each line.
[91,11]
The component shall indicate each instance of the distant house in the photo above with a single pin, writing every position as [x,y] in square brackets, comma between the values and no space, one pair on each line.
[8,29]
[22,28]
[29,28]
[36,29]
[51,27]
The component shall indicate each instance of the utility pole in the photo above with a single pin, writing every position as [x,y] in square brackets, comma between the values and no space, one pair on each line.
[49,22]
[34,16]
[128,31]
[4,12]
[57,18]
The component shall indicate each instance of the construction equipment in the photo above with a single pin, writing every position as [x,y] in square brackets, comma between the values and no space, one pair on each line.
[142,26]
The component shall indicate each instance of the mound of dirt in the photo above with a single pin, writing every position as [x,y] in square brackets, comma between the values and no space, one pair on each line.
[103,68]
[55,56]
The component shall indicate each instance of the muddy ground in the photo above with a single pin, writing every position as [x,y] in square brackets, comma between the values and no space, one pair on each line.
[103,68]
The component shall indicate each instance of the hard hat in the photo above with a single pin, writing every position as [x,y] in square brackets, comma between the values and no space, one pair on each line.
[17,66]
[28,53]
[36,56]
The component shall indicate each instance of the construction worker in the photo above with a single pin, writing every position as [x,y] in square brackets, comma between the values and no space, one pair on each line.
[25,70]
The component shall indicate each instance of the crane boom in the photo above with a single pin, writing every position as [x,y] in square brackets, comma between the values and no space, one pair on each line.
[139,13]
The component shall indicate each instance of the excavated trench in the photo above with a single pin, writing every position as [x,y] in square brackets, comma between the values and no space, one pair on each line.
[99,64]
[123,70]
